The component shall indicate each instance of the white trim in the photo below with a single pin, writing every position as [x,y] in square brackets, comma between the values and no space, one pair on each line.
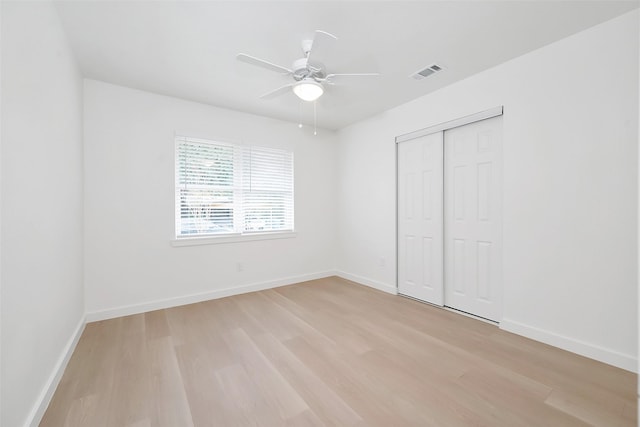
[127,310]
[397,224]
[233,238]
[482,115]
[41,404]
[384,287]
[638,251]
[205,138]
[469,315]
[611,357]
[452,310]
[592,351]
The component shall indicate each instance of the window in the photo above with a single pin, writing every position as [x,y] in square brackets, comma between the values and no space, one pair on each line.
[229,189]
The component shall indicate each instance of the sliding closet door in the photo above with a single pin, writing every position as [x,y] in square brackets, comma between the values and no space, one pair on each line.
[420,246]
[472,219]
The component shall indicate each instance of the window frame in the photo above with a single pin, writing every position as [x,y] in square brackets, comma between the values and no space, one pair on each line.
[238,215]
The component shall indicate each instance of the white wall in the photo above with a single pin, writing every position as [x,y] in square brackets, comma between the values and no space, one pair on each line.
[42,293]
[129,204]
[570,187]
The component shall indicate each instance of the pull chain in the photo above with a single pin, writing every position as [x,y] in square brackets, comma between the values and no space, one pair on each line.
[315,119]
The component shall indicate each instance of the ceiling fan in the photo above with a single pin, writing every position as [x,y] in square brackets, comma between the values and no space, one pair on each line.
[309,75]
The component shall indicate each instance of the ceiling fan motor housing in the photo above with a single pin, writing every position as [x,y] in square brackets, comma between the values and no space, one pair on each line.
[303,68]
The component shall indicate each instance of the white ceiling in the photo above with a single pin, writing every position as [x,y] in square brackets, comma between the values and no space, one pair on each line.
[187,49]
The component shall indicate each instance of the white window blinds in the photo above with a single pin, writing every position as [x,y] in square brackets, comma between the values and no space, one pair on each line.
[232,189]
[267,189]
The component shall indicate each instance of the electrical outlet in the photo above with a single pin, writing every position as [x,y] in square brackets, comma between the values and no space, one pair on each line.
[382,262]
[240,267]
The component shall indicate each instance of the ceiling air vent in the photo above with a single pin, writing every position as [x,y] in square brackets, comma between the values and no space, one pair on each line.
[426,72]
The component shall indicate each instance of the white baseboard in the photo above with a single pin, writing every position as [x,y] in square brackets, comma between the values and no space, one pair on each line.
[582,348]
[127,310]
[368,282]
[605,355]
[42,403]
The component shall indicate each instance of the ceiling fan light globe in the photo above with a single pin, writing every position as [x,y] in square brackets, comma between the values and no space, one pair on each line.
[308,90]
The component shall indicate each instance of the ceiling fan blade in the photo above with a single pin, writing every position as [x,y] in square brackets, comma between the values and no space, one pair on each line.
[319,46]
[325,33]
[330,77]
[277,92]
[262,63]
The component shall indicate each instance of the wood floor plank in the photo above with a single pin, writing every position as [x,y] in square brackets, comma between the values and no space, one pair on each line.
[132,384]
[415,390]
[243,403]
[544,369]
[227,316]
[270,316]
[355,388]
[305,419]
[513,405]
[169,401]
[629,414]
[428,355]
[63,399]
[327,407]
[313,330]
[99,359]
[615,380]
[275,389]
[83,412]
[328,318]
[328,352]
[200,383]
[89,378]
[590,408]
[156,324]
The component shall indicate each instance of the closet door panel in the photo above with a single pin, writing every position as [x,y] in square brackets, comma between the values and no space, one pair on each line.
[420,214]
[472,218]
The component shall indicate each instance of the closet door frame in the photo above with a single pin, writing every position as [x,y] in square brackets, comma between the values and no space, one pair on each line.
[472,118]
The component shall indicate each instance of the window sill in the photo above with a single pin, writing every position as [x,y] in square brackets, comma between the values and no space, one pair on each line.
[236,238]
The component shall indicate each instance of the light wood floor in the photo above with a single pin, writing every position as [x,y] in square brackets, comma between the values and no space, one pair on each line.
[328,353]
